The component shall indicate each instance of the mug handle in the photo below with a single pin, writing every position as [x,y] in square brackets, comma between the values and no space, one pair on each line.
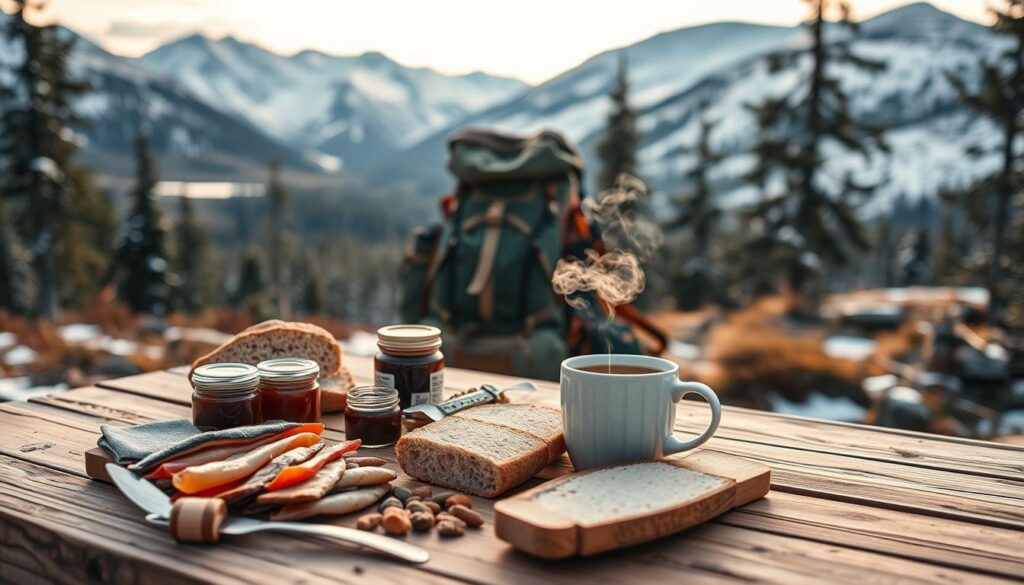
[680,389]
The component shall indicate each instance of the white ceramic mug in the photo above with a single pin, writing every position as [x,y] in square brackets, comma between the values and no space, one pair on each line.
[622,418]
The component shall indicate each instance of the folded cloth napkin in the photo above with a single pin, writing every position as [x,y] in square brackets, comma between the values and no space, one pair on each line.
[232,436]
[131,444]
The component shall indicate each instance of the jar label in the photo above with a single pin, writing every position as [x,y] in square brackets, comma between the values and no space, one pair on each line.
[437,387]
[384,379]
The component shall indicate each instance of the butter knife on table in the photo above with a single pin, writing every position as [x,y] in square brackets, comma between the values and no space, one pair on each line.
[486,393]
[147,496]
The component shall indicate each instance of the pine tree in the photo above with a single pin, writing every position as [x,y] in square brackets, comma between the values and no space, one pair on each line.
[792,130]
[278,196]
[315,294]
[914,258]
[1001,99]
[15,267]
[700,213]
[142,251]
[250,294]
[192,252]
[949,251]
[86,226]
[617,147]
[37,144]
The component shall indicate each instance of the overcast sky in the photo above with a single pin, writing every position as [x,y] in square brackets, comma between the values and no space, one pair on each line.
[529,39]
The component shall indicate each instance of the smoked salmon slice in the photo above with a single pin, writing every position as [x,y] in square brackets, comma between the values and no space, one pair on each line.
[197,478]
[265,475]
[221,453]
[294,474]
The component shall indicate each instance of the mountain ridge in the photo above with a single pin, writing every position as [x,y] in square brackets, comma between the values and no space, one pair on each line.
[920,41]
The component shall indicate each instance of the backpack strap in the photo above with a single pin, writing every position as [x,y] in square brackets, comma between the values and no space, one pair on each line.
[493,220]
[634,317]
[547,216]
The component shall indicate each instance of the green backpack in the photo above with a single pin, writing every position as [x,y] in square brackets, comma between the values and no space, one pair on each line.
[484,275]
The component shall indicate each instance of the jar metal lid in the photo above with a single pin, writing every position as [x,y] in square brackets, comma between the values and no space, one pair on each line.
[372,399]
[288,369]
[409,338]
[225,377]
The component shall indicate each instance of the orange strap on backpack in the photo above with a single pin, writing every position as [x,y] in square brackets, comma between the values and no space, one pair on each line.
[634,317]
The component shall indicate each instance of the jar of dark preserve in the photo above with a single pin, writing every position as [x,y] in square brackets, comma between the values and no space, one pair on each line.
[290,390]
[410,361]
[225,396]
[372,415]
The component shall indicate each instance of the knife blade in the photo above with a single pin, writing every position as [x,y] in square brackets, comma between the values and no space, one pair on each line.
[140,491]
[486,393]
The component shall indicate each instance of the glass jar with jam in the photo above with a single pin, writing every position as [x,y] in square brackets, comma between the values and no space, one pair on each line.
[373,416]
[410,361]
[225,396]
[290,389]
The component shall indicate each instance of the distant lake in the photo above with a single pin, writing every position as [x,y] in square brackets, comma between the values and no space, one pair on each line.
[209,189]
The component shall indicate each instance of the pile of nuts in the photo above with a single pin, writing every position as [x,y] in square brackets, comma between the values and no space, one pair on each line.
[418,509]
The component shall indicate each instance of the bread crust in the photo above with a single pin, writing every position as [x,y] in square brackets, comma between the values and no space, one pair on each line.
[272,327]
[555,444]
[509,472]
[334,391]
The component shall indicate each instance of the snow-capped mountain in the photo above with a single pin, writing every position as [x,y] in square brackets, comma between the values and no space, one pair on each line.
[190,138]
[725,65]
[357,109]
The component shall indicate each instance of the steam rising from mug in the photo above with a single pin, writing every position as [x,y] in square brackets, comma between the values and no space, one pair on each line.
[616,276]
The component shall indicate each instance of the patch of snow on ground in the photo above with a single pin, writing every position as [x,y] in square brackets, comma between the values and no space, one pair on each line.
[686,351]
[360,343]
[1012,423]
[849,348]
[79,332]
[21,355]
[817,405]
[20,388]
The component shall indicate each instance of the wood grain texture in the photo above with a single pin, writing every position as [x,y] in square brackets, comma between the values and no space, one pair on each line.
[884,506]
[712,553]
[544,532]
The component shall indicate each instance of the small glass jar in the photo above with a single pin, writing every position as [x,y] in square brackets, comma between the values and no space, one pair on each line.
[290,390]
[225,396]
[411,362]
[373,416]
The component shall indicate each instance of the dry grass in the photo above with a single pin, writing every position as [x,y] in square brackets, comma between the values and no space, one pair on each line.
[753,353]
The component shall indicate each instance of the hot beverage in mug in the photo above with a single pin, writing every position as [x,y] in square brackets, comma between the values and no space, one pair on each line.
[618,369]
[622,408]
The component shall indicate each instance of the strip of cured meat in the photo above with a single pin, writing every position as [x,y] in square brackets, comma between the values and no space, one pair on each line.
[298,473]
[202,477]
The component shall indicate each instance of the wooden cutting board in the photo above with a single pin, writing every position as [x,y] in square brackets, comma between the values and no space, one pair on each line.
[536,522]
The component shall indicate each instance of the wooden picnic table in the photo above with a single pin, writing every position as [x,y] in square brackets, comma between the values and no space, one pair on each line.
[849,503]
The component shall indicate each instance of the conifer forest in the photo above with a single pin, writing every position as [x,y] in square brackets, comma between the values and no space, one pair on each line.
[838,204]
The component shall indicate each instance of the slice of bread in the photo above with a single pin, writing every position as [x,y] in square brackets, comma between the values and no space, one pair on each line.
[476,457]
[334,391]
[540,421]
[607,508]
[279,339]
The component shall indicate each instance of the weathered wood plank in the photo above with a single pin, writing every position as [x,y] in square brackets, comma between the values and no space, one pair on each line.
[939,541]
[718,552]
[159,385]
[65,528]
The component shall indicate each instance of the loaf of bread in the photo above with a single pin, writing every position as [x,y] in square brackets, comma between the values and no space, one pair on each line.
[279,339]
[485,450]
